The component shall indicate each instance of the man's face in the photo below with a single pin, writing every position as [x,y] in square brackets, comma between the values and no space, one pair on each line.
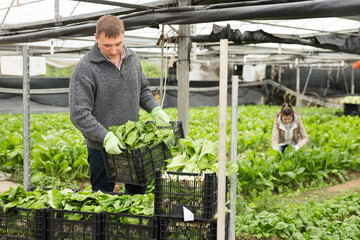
[110,47]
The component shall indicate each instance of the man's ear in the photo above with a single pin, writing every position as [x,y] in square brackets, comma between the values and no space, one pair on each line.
[96,37]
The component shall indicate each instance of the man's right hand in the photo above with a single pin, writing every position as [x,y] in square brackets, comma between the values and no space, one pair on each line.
[112,144]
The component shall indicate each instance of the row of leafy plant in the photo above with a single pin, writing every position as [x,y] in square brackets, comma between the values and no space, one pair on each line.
[333,150]
[337,218]
[58,149]
[85,201]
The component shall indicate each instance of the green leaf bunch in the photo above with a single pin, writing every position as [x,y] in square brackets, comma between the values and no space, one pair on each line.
[137,134]
[197,156]
[86,201]
[336,218]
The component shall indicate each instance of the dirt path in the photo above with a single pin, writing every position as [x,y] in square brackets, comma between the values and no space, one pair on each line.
[329,192]
[5,185]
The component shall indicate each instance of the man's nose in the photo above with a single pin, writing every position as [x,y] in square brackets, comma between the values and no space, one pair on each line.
[113,49]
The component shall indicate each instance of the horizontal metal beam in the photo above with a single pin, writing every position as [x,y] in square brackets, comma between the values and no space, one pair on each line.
[35,91]
[191,89]
[62,21]
[119,4]
[182,15]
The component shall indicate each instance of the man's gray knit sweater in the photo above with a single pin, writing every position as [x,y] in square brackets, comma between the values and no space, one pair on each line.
[101,95]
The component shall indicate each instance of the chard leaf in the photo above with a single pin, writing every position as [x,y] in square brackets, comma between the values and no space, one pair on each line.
[141,126]
[177,163]
[131,138]
[231,168]
[130,125]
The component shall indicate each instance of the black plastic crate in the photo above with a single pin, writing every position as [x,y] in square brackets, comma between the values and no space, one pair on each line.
[116,226]
[61,224]
[23,223]
[176,228]
[175,190]
[351,109]
[136,166]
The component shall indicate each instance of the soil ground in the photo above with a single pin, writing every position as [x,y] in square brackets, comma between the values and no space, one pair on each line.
[329,192]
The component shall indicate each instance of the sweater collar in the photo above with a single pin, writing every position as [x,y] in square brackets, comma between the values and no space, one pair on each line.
[97,56]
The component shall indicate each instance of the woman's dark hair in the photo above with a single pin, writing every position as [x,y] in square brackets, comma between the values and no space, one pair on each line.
[286,109]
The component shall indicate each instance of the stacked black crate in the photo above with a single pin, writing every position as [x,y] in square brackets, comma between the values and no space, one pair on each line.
[186,205]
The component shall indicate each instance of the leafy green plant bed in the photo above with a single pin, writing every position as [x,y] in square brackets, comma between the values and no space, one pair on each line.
[337,218]
[58,150]
[58,154]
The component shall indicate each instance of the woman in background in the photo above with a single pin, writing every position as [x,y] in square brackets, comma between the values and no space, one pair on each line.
[288,130]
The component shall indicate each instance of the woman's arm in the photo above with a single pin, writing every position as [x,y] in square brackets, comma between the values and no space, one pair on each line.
[275,135]
[304,138]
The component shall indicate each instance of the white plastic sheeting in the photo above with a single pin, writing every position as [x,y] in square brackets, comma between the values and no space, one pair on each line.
[13,65]
[253,72]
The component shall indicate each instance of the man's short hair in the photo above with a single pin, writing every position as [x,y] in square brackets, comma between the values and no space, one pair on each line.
[110,25]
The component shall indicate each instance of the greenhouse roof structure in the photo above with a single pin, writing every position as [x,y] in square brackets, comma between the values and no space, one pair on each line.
[272,31]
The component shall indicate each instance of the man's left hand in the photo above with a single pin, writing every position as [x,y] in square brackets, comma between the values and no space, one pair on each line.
[160,115]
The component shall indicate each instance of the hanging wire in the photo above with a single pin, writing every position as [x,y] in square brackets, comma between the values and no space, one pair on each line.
[172,33]
[166,72]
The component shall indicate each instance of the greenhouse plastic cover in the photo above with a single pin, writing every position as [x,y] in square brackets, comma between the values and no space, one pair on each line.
[221,12]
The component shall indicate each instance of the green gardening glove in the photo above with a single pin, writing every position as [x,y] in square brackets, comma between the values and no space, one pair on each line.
[112,144]
[160,115]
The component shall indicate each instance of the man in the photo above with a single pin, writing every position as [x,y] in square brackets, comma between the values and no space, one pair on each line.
[107,88]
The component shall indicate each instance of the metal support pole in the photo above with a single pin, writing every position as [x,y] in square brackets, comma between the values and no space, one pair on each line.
[26,116]
[307,81]
[57,12]
[234,129]
[280,72]
[352,82]
[297,89]
[222,139]
[7,12]
[162,67]
[183,72]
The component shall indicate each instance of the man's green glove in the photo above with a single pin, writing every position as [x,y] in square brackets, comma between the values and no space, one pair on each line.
[112,144]
[160,115]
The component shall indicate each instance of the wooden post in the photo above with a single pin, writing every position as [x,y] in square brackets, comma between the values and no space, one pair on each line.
[222,139]
[183,72]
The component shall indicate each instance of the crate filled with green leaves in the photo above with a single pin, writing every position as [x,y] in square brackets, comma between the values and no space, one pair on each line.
[97,215]
[146,146]
[190,181]
[65,224]
[134,220]
[176,228]
[21,215]
[195,192]
[67,214]
[22,223]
